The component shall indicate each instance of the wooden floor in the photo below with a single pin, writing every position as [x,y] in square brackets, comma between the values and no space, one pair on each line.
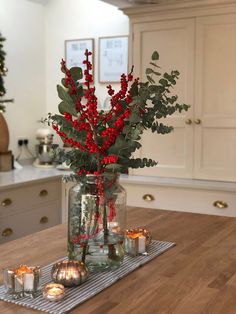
[197,276]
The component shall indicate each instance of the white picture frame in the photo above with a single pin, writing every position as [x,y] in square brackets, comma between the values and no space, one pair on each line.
[74,52]
[113,58]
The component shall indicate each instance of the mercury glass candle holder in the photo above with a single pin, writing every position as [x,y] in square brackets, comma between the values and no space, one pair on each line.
[69,273]
[22,281]
[137,241]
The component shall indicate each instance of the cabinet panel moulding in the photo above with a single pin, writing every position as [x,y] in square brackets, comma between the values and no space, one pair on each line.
[183,9]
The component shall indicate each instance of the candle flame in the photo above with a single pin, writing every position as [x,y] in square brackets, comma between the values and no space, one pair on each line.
[134,235]
[55,291]
[22,269]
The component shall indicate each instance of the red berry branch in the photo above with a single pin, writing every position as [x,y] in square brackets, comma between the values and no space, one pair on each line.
[101,129]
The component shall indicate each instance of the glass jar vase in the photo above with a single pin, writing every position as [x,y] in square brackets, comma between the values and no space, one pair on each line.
[97,222]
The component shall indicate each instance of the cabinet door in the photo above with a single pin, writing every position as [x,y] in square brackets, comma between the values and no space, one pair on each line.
[215,136]
[174,40]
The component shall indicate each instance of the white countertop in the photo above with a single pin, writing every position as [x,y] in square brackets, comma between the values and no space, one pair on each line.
[26,175]
[30,173]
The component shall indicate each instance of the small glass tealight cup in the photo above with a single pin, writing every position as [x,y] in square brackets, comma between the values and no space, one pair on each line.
[54,292]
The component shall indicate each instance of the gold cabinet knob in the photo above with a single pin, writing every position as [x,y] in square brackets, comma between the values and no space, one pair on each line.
[197,121]
[148,197]
[43,220]
[188,121]
[6,202]
[7,232]
[220,204]
[43,193]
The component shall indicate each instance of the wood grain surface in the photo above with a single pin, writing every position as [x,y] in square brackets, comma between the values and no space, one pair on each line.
[197,276]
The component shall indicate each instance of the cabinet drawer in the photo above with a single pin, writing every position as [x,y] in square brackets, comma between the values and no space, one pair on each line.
[182,199]
[13,227]
[25,198]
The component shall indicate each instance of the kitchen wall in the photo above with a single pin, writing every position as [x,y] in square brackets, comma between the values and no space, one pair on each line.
[35,32]
[22,24]
[74,19]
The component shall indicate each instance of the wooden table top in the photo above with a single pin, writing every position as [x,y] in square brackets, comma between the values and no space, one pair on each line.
[198,275]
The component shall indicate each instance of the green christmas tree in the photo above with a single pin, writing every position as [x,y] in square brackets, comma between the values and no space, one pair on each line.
[3,71]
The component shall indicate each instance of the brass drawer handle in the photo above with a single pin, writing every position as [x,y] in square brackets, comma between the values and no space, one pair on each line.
[197,121]
[6,202]
[148,197]
[43,220]
[220,204]
[188,121]
[43,193]
[7,232]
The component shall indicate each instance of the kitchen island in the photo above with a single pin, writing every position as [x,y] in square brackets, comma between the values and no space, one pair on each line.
[198,275]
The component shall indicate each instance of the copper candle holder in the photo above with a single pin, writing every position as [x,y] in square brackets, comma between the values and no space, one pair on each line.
[22,281]
[69,273]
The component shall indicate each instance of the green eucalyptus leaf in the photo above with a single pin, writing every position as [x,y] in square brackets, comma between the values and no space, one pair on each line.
[150,79]
[163,82]
[63,95]
[156,73]
[134,89]
[155,56]
[143,85]
[154,64]
[76,73]
[63,82]
[67,107]
[113,167]
[80,91]
[149,71]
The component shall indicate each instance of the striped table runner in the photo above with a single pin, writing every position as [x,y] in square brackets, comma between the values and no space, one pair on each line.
[95,283]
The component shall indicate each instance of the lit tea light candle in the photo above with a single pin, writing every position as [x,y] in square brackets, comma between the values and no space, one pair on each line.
[137,241]
[114,227]
[22,281]
[54,292]
[132,245]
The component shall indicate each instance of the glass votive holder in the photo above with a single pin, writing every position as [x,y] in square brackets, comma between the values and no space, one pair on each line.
[137,241]
[22,281]
[53,292]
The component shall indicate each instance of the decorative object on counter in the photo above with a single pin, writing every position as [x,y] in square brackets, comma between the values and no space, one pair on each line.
[22,281]
[4,139]
[69,273]
[64,165]
[102,145]
[53,292]
[45,149]
[96,283]
[137,241]
[6,157]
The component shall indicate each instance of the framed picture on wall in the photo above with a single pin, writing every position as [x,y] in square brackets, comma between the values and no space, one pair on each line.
[113,58]
[74,52]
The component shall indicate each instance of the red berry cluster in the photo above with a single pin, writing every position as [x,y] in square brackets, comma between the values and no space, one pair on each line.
[111,159]
[101,129]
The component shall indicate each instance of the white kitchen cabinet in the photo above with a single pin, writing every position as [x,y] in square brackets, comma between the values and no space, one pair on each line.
[198,196]
[215,98]
[29,206]
[199,40]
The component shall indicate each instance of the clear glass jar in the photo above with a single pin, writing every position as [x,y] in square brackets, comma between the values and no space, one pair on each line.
[97,222]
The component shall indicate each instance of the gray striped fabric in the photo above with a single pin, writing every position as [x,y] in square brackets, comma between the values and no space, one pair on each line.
[95,283]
